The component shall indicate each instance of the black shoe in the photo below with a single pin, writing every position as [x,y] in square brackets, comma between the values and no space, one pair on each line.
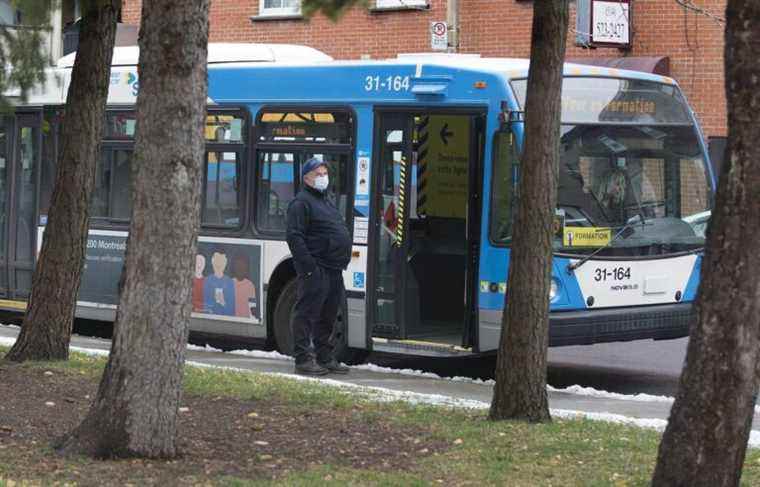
[310,367]
[335,367]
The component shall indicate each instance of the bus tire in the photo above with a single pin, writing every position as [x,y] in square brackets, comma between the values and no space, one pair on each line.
[283,327]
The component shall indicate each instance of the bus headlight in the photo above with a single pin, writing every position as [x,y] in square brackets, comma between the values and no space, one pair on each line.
[553,290]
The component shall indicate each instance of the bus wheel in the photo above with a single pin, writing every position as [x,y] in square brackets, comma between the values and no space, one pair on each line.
[283,328]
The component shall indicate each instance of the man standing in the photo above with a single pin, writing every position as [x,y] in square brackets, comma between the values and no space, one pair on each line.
[321,247]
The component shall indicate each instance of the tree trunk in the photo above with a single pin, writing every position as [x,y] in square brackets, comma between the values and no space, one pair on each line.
[135,411]
[520,390]
[706,438]
[46,330]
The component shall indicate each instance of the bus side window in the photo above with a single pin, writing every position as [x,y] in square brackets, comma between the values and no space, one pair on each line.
[121,194]
[47,173]
[99,198]
[279,132]
[275,189]
[502,188]
[338,174]
[112,194]
[221,199]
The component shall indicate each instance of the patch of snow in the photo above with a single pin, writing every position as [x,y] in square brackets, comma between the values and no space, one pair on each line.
[650,423]
[207,348]
[95,352]
[574,389]
[420,373]
[9,341]
[272,355]
[591,392]
[754,439]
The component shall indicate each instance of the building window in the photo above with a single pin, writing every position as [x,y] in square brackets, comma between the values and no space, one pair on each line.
[279,7]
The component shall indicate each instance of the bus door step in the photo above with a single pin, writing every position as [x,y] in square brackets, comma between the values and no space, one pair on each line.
[417,347]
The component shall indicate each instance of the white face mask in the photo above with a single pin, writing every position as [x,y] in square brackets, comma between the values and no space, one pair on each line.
[321,182]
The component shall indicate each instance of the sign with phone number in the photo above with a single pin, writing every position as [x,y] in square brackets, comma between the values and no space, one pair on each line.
[611,22]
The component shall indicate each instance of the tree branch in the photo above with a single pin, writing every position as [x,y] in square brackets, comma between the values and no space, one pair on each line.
[689,5]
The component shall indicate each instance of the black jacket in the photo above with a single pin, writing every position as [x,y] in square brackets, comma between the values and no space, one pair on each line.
[316,233]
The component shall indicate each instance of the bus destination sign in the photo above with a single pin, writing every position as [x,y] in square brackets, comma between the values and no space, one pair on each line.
[317,132]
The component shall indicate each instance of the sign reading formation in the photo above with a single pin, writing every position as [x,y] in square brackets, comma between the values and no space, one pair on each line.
[586,236]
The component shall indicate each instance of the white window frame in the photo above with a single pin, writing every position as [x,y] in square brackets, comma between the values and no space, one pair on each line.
[400,4]
[277,11]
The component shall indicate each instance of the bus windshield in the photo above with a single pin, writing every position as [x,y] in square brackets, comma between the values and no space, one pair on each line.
[652,179]
[630,159]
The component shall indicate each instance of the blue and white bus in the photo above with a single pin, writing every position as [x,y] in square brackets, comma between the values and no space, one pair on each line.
[424,152]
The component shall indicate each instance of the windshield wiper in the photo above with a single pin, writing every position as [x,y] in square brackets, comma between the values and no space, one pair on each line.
[599,205]
[625,232]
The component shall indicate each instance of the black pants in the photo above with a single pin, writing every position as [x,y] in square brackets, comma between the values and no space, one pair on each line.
[319,297]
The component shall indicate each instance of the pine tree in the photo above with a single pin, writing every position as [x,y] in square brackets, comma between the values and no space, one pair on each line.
[520,390]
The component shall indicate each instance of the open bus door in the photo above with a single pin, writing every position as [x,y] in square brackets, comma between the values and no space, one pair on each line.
[20,144]
[424,238]
[392,183]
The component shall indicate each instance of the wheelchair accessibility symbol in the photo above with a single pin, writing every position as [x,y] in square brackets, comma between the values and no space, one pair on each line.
[359,280]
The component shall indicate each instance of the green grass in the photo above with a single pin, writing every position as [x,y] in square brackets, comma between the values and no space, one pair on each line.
[561,453]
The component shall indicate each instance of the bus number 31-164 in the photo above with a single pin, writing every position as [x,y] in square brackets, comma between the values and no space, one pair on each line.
[616,273]
[389,83]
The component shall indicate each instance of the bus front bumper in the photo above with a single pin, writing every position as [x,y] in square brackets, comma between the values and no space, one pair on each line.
[585,327]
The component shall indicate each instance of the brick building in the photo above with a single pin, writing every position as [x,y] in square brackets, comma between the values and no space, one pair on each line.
[687,41]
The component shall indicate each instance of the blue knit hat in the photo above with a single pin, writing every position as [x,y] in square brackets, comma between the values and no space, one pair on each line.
[312,164]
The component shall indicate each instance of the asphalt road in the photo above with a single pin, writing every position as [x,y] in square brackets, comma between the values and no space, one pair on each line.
[643,366]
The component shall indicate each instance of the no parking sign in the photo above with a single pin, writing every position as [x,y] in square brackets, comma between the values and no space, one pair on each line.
[439,36]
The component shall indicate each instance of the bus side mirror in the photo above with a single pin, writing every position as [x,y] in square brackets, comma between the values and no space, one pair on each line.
[507,117]
[515,116]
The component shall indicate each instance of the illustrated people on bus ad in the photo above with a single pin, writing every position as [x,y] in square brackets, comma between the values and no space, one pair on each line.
[218,289]
[246,305]
[321,247]
[198,280]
